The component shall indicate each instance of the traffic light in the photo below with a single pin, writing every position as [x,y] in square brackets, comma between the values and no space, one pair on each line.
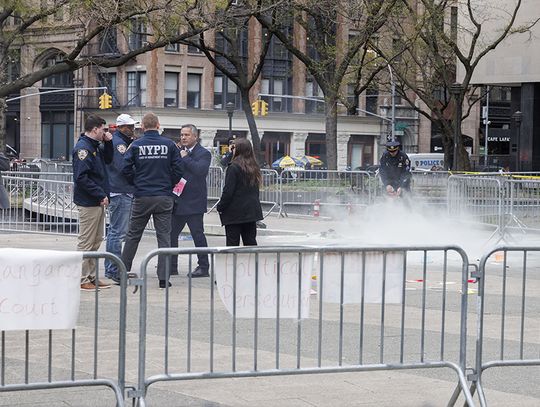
[264,108]
[255,108]
[105,101]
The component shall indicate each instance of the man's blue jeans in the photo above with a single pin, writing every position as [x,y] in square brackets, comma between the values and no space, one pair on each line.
[119,214]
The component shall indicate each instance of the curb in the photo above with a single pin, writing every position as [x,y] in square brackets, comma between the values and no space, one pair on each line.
[217,230]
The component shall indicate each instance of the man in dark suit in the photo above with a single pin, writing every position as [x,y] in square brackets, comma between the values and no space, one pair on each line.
[191,200]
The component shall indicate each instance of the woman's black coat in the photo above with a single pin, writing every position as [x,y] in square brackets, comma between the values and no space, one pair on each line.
[239,201]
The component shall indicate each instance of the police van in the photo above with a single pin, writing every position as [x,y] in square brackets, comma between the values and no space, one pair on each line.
[427,161]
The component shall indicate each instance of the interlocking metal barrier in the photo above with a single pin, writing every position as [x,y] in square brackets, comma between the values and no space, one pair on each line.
[270,190]
[53,359]
[507,273]
[333,189]
[376,308]
[477,199]
[39,205]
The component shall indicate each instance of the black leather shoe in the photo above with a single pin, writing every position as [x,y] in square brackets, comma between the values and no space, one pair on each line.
[163,284]
[198,272]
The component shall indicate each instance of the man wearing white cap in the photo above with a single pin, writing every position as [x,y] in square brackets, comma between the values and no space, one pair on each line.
[121,193]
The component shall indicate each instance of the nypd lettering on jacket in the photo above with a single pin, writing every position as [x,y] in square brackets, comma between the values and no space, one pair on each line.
[152,165]
[149,152]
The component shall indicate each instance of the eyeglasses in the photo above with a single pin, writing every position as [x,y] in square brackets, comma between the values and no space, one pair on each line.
[392,149]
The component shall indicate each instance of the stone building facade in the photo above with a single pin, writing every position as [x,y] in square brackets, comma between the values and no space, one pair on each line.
[180,85]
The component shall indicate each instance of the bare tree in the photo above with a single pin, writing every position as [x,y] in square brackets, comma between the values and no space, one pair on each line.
[328,57]
[232,60]
[20,20]
[444,42]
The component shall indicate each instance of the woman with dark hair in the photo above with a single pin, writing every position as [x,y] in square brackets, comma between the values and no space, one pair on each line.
[239,206]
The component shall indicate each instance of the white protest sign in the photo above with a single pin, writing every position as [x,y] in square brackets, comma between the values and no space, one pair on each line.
[267,297]
[373,277]
[39,289]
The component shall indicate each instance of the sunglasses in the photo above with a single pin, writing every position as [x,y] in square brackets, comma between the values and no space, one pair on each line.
[392,149]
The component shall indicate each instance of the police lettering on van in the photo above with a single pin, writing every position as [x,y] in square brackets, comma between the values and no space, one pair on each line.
[427,161]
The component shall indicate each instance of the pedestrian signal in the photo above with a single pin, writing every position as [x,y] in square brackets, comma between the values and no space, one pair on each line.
[264,108]
[105,101]
[255,108]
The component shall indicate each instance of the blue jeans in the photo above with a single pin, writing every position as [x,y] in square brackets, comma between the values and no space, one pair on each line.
[120,212]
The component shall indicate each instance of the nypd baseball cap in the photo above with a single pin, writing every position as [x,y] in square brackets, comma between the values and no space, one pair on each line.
[125,120]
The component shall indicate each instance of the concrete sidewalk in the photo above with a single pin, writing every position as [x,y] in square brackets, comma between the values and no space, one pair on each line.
[275,225]
[383,389]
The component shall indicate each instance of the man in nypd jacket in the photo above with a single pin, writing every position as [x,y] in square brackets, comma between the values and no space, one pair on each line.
[121,195]
[152,165]
[91,192]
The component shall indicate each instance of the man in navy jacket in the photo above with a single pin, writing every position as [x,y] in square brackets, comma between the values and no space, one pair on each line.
[121,195]
[152,165]
[190,204]
[91,192]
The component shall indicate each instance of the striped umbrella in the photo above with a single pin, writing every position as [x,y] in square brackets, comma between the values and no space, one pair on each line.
[286,162]
[307,159]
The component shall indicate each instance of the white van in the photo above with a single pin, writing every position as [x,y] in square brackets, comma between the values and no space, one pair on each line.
[427,161]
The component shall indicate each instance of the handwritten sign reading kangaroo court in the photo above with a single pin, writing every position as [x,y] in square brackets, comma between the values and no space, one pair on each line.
[39,289]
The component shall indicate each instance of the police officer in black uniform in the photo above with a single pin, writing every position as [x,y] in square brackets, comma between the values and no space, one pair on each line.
[152,165]
[395,169]
[121,196]
[91,192]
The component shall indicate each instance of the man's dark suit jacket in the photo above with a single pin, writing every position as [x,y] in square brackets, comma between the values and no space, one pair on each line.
[195,169]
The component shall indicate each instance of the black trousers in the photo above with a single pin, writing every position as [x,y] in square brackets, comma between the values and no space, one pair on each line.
[196,228]
[160,208]
[248,231]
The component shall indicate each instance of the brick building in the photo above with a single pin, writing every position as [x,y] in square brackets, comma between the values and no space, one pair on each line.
[180,85]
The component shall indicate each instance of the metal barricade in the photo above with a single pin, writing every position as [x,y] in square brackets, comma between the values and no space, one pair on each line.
[477,199]
[507,300]
[332,189]
[521,204]
[39,205]
[375,310]
[270,189]
[214,183]
[430,187]
[54,176]
[66,359]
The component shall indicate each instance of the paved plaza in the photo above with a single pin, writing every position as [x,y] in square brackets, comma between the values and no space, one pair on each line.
[515,387]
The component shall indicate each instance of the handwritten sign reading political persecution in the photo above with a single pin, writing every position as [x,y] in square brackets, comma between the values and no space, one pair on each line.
[39,289]
[293,282]
[363,277]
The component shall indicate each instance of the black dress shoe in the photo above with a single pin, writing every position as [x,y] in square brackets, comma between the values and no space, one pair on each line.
[163,284]
[198,272]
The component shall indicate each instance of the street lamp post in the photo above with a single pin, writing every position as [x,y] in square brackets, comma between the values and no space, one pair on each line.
[455,91]
[229,107]
[517,116]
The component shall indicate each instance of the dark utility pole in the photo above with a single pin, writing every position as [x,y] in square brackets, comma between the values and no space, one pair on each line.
[517,116]
[229,107]
[455,90]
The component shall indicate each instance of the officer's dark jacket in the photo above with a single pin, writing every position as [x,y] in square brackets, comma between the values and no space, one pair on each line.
[395,171]
[119,183]
[152,165]
[90,178]
[239,201]
[195,165]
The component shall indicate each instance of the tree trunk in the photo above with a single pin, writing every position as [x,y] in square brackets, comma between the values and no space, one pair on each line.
[255,139]
[3,135]
[331,132]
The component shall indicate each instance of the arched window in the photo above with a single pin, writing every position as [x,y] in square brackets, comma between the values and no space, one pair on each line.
[60,80]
